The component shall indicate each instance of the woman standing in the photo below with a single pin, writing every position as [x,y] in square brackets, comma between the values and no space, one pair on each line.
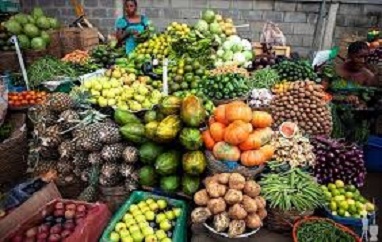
[130,26]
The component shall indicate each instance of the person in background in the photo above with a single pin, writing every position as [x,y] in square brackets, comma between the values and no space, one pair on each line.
[130,26]
[355,67]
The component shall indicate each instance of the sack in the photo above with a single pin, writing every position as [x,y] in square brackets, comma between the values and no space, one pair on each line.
[272,35]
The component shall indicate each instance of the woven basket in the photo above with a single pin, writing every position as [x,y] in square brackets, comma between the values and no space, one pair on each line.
[216,166]
[14,151]
[114,197]
[33,55]
[54,48]
[71,190]
[282,221]
[339,226]
[78,39]
[9,61]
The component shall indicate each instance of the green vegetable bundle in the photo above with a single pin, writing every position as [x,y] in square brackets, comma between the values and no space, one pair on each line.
[47,69]
[295,71]
[264,78]
[225,86]
[292,190]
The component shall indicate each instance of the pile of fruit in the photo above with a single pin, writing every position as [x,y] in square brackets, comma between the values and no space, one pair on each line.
[157,47]
[234,51]
[214,24]
[303,103]
[58,224]
[346,200]
[106,55]
[260,98]
[148,220]
[229,69]
[77,56]
[295,70]
[32,30]
[235,133]
[231,203]
[176,120]
[26,98]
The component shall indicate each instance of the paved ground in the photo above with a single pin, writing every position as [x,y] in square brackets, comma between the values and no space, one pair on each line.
[372,189]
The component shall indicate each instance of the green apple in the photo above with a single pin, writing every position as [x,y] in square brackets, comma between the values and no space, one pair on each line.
[143,225]
[124,233]
[151,238]
[161,234]
[119,226]
[150,201]
[150,215]
[133,207]
[165,225]
[136,213]
[177,212]
[128,216]
[134,229]
[162,204]
[145,209]
[140,218]
[127,239]
[106,85]
[114,236]
[166,240]
[160,217]
[147,231]
[170,215]
[137,236]
[154,207]
[95,93]
[97,87]
[370,207]
[142,204]
[130,222]
[340,184]
[102,102]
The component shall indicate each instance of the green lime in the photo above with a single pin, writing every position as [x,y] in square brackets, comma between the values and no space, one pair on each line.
[344,205]
[188,68]
[332,187]
[340,184]
[342,191]
[333,206]
[349,195]
[335,193]
[328,195]
[341,212]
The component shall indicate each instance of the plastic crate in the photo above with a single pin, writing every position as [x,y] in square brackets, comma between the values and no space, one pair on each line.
[10,6]
[180,229]
[373,154]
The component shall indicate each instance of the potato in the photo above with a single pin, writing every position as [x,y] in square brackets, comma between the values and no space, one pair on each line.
[233,196]
[249,204]
[221,222]
[210,179]
[215,189]
[236,228]
[252,189]
[236,181]
[223,178]
[262,213]
[200,215]
[237,211]
[253,221]
[201,198]
[217,205]
[261,203]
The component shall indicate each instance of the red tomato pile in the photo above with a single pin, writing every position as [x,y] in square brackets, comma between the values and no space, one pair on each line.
[26,98]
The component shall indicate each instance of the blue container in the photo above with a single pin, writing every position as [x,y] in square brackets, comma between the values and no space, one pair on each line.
[373,154]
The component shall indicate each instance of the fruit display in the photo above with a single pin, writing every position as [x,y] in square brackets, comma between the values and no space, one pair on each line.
[207,102]
[32,30]
[338,160]
[291,190]
[295,70]
[234,51]
[225,86]
[215,24]
[77,56]
[157,47]
[264,78]
[235,134]
[260,98]
[281,87]
[303,104]
[26,98]
[120,90]
[228,69]
[106,55]
[48,69]
[230,204]
[58,224]
[295,151]
[346,201]
[178,30]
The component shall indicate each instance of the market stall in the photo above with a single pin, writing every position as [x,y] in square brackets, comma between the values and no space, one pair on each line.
[195,133]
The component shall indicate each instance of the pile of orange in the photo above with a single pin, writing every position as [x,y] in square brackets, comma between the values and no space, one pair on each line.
[26,98]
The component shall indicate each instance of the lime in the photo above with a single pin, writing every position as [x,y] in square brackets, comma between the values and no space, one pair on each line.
[344,205]
[362,200]
[180,72]
[339,198]
[328,195]
[331,186]
[341,212]
[349,195]
[188,68]
[340,184]
[324,188]
[353,209]
[335,193]
[189,77]
[342,191]
[347,214]
[352,188]
[333,206]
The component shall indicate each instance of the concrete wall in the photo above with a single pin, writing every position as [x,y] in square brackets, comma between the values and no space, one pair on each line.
[296,18]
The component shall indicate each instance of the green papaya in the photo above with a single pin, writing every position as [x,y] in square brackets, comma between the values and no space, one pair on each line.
[122,117]
[190,184]
[151,130]
[168,129]
[194,163]
[170,183]
[168,163]
[170,105]
[134,132]
[150,116]
[149,151]
[147,176]
[191,138]
[192,111]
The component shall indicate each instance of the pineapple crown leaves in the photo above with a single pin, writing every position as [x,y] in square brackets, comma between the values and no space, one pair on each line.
[87,117]
[80,97]
[94,174]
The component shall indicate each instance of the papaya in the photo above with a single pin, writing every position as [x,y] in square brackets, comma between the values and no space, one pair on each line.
[192,111]
[122,117]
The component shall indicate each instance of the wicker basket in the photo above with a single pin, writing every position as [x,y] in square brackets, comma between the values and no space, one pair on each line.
[9,61]
[339,226]
[88,38]
[14,151]
[33,55]
[71,190]
[54,48]
[114,197]
[282,221]
[216,166]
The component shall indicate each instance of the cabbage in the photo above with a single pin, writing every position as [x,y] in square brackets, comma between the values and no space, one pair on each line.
[220,52]
[21,18]
[228,55]
[37,12]
[46,37]
[248,55]
[227,45]
[246,44]
[234,39]
[215,28]
[31,30]
[31,20]
[201,25]
[237,48]
[54,24]
[13,27]
[23,41]
[38,44]
[218,62]
[43,23]
[208,16]
[239,58]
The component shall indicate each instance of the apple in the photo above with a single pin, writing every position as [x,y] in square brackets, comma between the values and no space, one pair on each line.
[160,234]
[151,238]
[29,240]
[137,236]
[44,228]
[124,233]
[140,218]
[69,226]
[119,226]
[41,240]
[147,231]
[166,240]
[160,217]
[59,212]
[43,235]
[170,215]
[81,208]
[17,238]
[54,238]
[133,208]
[150,201]
[127,216]
[71,206]
[154,207]
[143,225]
[134,229]
[59,206]
[162,204]
[31,232]
[66,233]
[114,237]
[136,213]
[130,222]
[165,225]
[80,221]
[145,209]
[127,239]
[80,215]
[56,229]
[69,214]
[177,212]
[142,204]
[150,215]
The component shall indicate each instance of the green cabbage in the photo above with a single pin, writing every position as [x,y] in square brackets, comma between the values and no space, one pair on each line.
[24,41]
[208,16]
[201,26]
[228,55]
[38,44]
[13,27]
[31,30]
[215,28]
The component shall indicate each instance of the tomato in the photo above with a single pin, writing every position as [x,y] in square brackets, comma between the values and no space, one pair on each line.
[28,97]
[24,102]
[11,103]
[32,92]
[43,93]
[17,103]
[32,102]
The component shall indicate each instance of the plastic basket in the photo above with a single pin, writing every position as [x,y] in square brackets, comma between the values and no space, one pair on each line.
[180,229]
[373,154]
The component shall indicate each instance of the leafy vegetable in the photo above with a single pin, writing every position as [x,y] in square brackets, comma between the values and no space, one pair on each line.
[264,78]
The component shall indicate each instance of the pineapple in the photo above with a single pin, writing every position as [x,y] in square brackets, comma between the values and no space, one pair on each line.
[64,180]
[131,185]
[41,114]
[80,160]
[95,158]
[112,153]
[126,170]
[43,167]
[89,144]
[109,181]
[110,175]
[68,119]
[59,102]
[109,133]
[130,155]
[89,194]
[77,172]
[64,166]
[85,174]
[67,149]
[39,129]
[51,137]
